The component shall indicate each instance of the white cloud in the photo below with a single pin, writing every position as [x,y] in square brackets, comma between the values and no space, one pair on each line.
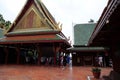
[10,9]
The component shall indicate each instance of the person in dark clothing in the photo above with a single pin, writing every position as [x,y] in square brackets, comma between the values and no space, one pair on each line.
[64,60]
[68,59]
[96,61]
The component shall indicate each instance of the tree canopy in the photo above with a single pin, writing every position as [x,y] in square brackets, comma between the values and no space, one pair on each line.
[3,23]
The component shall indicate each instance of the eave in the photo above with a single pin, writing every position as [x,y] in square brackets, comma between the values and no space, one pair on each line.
[87,49]
[105,20]
[104,17]
[31,39]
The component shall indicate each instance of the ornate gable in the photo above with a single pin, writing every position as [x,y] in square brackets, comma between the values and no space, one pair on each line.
[31,20]
[34,17]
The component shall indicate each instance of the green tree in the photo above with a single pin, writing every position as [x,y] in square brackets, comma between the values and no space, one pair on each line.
[1,18]
[2,21]
[7,24]
[4,24]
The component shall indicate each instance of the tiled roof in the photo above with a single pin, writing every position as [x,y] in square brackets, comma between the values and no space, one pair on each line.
[47,12]
[82,33]
[32,33]
[31,39]
[85,49]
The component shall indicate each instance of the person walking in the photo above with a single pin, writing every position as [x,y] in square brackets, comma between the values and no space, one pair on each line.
[61,61]
[68,60]
[96,61]
[64,60]
[100,61]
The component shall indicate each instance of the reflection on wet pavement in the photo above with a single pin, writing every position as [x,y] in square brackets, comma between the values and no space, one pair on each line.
[26,72]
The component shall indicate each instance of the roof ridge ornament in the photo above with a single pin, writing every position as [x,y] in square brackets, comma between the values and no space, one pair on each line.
[59,26]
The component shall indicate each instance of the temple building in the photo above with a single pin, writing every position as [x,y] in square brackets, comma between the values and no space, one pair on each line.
[34,37]
[107,34]
[82,54]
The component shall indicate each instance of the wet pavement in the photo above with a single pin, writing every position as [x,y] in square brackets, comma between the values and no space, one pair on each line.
[29,72]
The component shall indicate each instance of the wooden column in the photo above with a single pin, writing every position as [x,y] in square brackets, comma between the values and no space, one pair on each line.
[18,54]
[54,50]
[92,60]
[39,54]
[6,52]
[107,60]
[115,54]
[59,58]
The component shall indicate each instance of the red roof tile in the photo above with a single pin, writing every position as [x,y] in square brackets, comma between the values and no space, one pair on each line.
[31,39]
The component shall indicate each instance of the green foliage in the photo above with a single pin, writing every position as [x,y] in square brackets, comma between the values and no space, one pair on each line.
[96,69]
[30,53]
[4,24]
[7,24]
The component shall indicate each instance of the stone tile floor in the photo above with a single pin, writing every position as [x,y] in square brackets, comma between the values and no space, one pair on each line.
[29,72]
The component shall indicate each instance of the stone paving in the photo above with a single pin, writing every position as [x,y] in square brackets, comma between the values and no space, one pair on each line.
[29,72]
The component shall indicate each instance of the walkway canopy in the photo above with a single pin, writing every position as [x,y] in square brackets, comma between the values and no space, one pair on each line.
[87,49]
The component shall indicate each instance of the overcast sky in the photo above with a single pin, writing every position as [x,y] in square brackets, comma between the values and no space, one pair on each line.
[68,12]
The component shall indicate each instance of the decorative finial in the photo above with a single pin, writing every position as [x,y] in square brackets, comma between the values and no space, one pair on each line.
[59,26]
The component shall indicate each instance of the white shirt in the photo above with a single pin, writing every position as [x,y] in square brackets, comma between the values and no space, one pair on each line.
[100,59]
